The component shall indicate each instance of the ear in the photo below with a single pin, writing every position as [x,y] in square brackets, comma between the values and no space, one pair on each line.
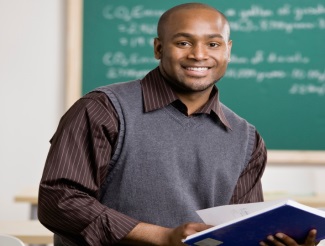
[157,48]
[229,45]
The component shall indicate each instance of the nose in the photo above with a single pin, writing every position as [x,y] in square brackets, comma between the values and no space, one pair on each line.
[199,52]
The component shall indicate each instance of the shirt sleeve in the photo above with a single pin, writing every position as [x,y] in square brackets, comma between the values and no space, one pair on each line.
[77,165]
[249,186]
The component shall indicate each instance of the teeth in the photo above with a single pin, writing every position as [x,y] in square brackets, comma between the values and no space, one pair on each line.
[197,68]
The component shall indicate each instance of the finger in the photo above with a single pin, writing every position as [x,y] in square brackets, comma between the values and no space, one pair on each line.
[274,241]
[191,228]
[311,238]
[263,244]
[286,239]
[197,227]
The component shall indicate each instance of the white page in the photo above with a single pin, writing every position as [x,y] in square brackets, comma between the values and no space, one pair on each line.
[222,214]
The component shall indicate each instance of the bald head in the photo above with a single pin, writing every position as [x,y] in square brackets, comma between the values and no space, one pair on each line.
[165,18]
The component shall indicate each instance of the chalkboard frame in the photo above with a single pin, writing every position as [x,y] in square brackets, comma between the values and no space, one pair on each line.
[73,85]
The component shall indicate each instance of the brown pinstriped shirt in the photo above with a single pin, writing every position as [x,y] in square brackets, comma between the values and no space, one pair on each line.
[77,165]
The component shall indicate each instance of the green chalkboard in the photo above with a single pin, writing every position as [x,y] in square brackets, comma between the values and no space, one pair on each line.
[276,77]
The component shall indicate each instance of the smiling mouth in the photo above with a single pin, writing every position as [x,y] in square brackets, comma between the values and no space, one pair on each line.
[199,69]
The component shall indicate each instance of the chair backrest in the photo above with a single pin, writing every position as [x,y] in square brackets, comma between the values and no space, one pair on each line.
[7,240]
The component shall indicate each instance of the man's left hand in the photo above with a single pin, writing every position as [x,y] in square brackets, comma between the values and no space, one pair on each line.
[281,239]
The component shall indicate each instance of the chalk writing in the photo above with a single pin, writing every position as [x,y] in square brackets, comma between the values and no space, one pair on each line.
[317,75]
[127,14]
[134,42]
[126,73]
[288,27]
[255,11]
[297,57]
[272,57]
[259,76]
[120,59]
[304,89]
[300,13]
[134,28]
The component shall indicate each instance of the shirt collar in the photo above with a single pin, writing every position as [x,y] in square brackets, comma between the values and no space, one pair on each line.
[158,94]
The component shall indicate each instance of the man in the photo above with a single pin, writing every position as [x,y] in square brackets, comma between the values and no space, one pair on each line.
[131,163]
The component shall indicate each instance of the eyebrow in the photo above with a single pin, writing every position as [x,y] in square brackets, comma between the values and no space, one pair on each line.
[188,35]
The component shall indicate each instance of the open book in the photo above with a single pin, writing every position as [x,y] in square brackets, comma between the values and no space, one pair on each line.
[248,224]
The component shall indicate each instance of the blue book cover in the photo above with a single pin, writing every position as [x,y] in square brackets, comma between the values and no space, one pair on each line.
[289,217]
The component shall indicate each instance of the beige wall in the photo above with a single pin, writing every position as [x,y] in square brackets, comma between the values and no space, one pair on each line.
[31,86]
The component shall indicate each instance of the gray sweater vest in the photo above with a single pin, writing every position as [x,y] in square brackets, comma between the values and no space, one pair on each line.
[167,165]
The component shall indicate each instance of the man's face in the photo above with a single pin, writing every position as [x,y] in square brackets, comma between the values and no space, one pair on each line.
[193,49]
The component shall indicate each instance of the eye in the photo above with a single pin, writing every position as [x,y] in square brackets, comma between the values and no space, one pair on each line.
[183,44]
[214,45]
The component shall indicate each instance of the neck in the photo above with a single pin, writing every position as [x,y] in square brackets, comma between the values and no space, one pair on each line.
[194,101]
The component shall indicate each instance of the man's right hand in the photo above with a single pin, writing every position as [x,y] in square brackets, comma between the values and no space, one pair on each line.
[179,233]
[147,234]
